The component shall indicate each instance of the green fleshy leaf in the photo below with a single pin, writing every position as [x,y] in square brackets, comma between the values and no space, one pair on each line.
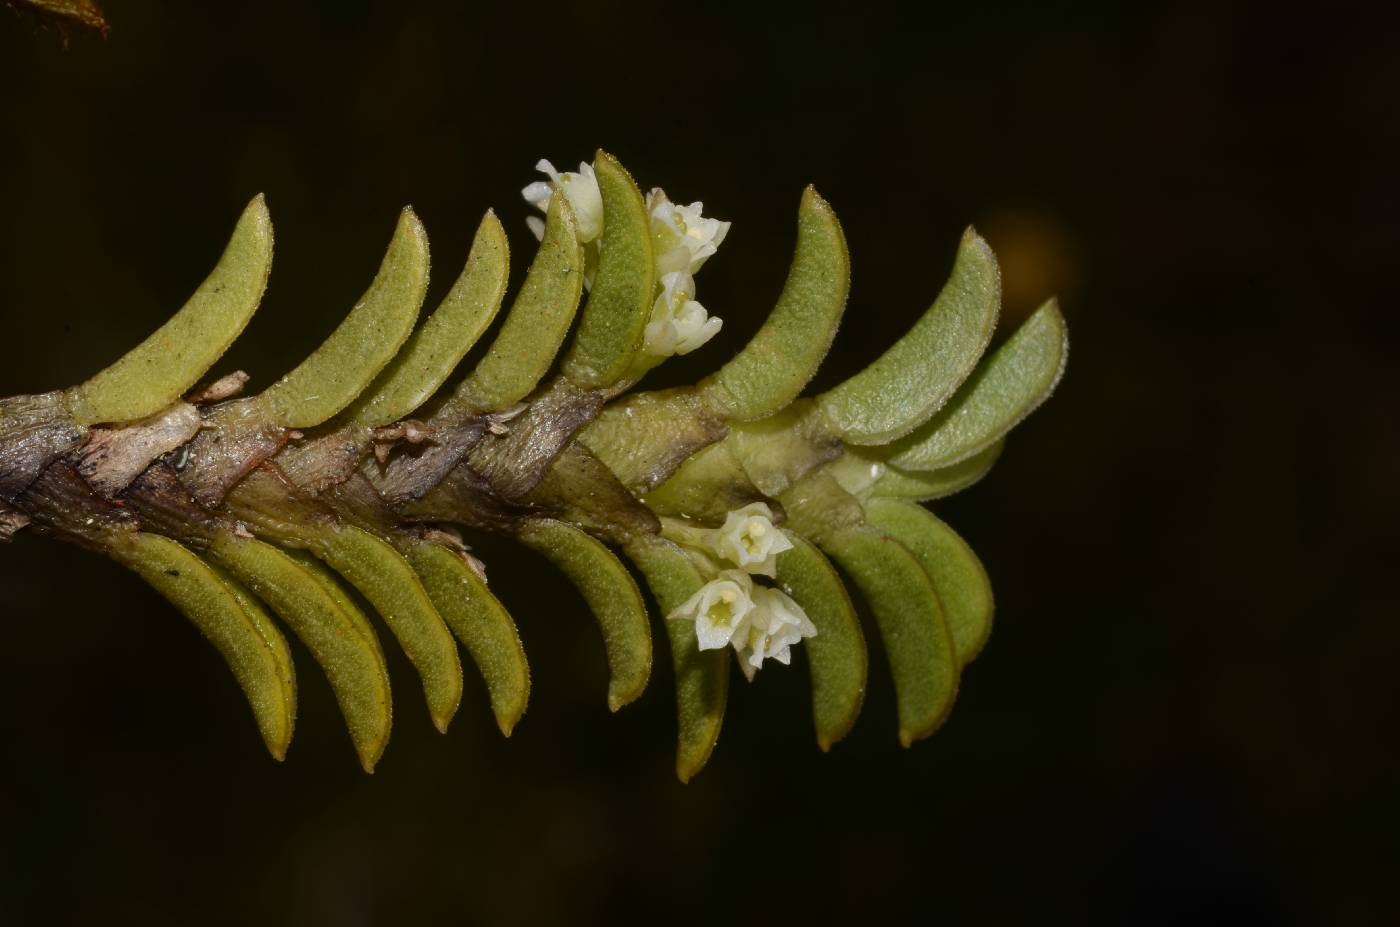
[338,635]
[996,398]
[702,676]
[962,584]
[387,581]
[230,619]
[613,323]
[538,320]
[481,623]
[911,622]
[433,351]
[161,369]
[836,656]
[612,596]
[914,378]
[364,343]
[784,355]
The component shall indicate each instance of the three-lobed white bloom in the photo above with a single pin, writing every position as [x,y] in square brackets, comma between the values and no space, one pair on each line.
[678,323]
[720,609]
[749,540]
[775,623]
[583,194]
[682,238]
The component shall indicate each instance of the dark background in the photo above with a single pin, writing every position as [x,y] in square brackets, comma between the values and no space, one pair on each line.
[1187,712]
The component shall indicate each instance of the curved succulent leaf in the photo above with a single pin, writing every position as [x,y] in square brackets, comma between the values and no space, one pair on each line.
[612,596]
[159,370]
[368,338]
[962,584]
[538,320]
[784,355]
[915,377]
[612,324]
[433,351]
[330,626]
[236,625]
[911,622]
[388,582]
[996,398]
[702,676]
[481,623]
[836,655]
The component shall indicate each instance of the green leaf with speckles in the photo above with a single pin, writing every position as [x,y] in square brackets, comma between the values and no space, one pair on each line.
[161,369]
[389,583]
[615,318]
[702,676]
[914,378]
[962,584]
[784,355]
[229,618]
[836,656]
[538,320]
[332,628]
[996,398]
[433,351]
[364,343]
[481,623]
[612,596]
[911,622]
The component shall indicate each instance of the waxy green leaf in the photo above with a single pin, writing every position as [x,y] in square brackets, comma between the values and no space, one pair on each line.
[364,343]
[161,369]
[962,584]
[481,623]
[996,398]
[538,320]
[612,324]
[911,622]
[702,676]
[784,355]
[612,596]
[389,583]
[836,656]
[916,375]
[433,351]
[230,619]
[336,633]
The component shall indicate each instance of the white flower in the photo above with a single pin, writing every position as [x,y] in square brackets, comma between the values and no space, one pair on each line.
[678,323]
[582,191]
[774,624]
[720,609]
[683,239]
[749,540]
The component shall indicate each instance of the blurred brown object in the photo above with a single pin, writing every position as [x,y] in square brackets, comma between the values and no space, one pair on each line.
[60,14]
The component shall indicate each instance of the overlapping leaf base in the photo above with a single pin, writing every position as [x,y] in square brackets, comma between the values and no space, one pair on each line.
[355,471]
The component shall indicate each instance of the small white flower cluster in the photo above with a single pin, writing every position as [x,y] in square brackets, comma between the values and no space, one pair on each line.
[759,622]
[683,239]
